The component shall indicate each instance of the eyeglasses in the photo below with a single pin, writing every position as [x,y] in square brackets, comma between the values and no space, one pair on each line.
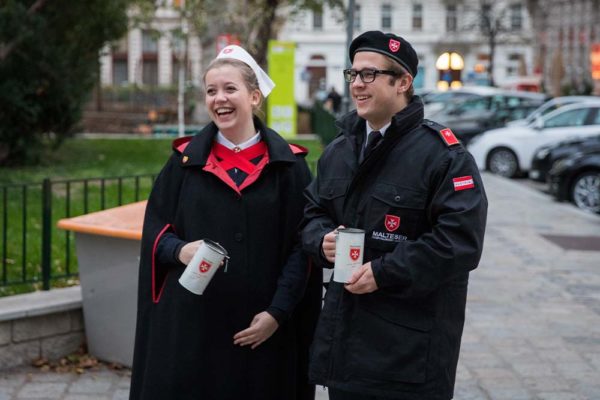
[366,75]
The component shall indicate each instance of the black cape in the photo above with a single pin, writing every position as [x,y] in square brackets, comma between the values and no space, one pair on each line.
[184,342]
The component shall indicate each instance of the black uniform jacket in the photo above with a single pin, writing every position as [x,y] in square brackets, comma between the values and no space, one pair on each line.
[422,205]
[184,342]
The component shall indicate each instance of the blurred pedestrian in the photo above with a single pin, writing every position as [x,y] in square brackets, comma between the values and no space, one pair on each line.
[240,184]
[334,98]
[393,330]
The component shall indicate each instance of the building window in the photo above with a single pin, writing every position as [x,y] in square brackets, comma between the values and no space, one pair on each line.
[317,20]
[451,18]
[386,16]
[417,16]
[149,42]
[149,59]
[514,56]
[357,17]
[516,17]
[120,71]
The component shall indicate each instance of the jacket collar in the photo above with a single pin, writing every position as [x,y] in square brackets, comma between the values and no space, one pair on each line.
[196,153]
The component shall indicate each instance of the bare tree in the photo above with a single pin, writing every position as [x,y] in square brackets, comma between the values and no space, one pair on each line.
[489,19]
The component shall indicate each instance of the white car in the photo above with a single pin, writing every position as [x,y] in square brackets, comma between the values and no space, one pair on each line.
[508,151]
[549,106]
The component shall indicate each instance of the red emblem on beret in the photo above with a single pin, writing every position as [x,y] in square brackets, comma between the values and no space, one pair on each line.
[394,45]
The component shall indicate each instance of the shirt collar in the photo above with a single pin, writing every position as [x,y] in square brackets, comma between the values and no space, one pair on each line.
[382,130]
[221,139]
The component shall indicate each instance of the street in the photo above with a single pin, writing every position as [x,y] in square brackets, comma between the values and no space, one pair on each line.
[533,313]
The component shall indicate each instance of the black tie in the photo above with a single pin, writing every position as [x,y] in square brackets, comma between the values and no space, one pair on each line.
[372,142]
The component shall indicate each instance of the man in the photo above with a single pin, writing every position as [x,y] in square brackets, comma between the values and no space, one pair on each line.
[393,330]
[335,100]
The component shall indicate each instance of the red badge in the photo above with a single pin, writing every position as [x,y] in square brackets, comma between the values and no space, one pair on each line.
[392,222]
[448,137]
[394,45]
[204,266]
[227,50]
[463,182]
[354,253]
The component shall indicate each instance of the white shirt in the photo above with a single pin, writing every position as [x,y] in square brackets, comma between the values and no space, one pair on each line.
[221,139]
[369,130]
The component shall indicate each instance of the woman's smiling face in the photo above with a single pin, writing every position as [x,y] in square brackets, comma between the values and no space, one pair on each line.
[229,102]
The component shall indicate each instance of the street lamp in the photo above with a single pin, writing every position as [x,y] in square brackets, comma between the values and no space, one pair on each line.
[349,35]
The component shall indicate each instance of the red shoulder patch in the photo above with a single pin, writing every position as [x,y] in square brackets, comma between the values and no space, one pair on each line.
[449,137]
[297,149]
[180,144]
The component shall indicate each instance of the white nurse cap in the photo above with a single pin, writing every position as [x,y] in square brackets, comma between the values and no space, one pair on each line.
[236,52]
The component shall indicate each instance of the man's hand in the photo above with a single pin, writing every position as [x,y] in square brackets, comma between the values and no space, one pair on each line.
[362,280]
[261,328]
[328,246]
[187,251]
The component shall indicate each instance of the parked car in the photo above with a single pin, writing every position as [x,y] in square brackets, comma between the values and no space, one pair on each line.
[546,156]
[577,179]
[508,151]
[480,112]
[550,106]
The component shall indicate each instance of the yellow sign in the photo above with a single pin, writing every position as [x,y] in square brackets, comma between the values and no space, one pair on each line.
[281,113]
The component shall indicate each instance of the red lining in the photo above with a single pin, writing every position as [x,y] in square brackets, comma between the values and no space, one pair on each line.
[250,179]
[297,149]
[212,166]
[181,143]
[155,297]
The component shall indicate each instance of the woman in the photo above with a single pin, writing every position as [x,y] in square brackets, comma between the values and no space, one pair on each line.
[240,184]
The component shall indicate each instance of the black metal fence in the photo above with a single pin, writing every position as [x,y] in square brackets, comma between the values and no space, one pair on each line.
[34,253]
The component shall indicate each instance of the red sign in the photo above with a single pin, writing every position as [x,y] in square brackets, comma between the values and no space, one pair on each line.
[394,45]
[354,253]
[595,60]
[204,266]
[392,222]
[225,40]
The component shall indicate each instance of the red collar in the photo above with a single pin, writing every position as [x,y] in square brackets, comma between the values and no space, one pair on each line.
[241,159]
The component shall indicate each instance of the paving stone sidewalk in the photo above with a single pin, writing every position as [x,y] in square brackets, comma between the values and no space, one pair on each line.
[533,314]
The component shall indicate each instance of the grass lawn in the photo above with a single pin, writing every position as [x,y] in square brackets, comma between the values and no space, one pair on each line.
[20,206]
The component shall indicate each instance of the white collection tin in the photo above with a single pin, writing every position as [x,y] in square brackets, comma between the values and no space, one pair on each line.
[200,270]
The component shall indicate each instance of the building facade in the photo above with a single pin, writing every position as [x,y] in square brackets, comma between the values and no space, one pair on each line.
[567,37]
[151,55]
[433,27]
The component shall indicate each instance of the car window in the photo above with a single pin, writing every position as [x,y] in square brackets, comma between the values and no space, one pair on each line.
[594,118]
[474,104]
[568,118]
[512,101]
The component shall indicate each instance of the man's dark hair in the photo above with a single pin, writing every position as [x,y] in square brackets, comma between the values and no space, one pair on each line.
[400,71]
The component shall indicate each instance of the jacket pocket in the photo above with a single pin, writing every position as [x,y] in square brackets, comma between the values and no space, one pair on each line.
[388,344]
[331,192]
[394,214]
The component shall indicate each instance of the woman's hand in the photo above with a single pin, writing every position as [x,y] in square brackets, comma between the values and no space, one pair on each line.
[187,251]
[261,328]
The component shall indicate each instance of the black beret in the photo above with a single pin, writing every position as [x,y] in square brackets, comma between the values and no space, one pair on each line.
[389,45]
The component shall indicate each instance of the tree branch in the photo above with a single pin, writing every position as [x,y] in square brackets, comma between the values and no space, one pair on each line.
[7,48]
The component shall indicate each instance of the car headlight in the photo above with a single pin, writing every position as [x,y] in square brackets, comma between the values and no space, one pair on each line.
[541,153]
[562,164]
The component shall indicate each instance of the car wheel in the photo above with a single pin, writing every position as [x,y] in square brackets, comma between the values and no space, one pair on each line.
[503,162]
[585,191]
